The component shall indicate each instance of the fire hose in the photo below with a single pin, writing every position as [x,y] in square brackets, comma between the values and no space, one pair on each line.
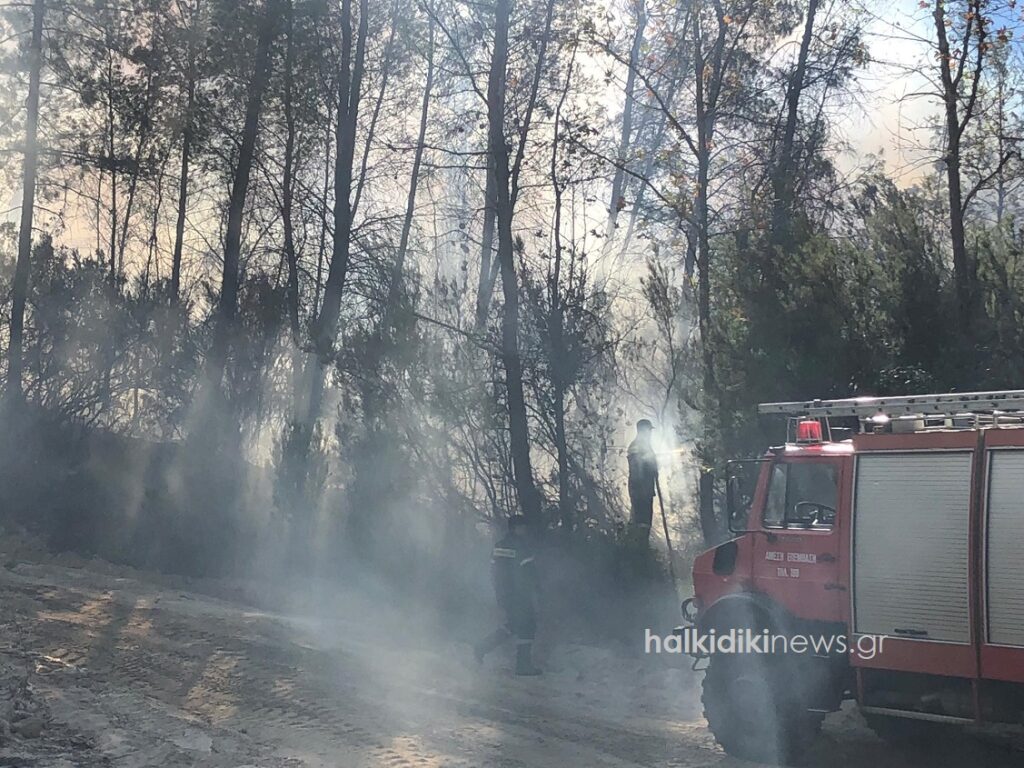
[668,539]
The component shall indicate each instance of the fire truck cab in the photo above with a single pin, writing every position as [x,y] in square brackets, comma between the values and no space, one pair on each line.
[887,567]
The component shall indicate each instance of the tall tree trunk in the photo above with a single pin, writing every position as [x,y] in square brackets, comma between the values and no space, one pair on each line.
[376,395]
[615,205]
[646,172]
[179,224]
[385,76]
[152,260]
[529,498]
[350,86]
[782,178]
[227,307]
[109,354]
[98,212]
[395,287]
[708,77]
[490,270]
[964,268]
[186,157]
[558,352]
[318,283]
[15,360]
[112,160]
[686,17]
[136,171]
[287,182]
[1001,142]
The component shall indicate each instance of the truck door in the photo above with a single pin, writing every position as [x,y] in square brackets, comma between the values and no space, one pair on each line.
[796,562]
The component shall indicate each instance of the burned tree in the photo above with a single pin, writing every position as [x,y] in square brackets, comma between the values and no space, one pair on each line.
[30,169]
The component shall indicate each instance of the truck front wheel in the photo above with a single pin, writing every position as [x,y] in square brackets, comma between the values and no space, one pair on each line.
[754,710]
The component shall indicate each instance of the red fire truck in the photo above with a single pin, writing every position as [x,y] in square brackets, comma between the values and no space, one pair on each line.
[897,554]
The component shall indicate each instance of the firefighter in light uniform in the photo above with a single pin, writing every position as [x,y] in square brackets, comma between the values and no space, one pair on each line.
[643,477]
[513,570]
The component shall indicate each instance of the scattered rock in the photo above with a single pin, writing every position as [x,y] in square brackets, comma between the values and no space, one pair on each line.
[193,740]
[29,728]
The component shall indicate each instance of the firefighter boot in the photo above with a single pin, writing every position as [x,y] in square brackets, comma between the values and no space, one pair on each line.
[489,643]
[524,659]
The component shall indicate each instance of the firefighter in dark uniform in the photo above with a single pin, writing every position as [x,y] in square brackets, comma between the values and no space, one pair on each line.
[512,567]
[643,477]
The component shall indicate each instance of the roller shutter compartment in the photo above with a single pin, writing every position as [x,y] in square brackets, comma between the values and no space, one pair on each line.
[911,534]
[1005,556]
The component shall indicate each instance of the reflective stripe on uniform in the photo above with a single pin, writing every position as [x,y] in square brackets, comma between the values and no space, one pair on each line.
[502,552]
[527,560]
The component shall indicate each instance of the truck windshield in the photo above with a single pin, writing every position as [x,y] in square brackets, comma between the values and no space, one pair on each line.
[802,492]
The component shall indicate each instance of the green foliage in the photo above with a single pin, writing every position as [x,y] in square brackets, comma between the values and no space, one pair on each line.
[870,311]
[1000,252]
[97,351]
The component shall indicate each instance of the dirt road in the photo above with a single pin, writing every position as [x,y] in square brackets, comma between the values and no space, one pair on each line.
[117,670]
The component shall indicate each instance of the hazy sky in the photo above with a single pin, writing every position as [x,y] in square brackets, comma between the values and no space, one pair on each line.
[890,121]
[896,110]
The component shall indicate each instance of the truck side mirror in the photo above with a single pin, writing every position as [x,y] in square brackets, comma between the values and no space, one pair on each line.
[735,509]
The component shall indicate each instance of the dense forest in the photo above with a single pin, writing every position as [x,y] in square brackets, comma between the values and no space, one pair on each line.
[293,276]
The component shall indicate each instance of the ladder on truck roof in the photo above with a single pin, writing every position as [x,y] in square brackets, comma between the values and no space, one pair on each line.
[949,404]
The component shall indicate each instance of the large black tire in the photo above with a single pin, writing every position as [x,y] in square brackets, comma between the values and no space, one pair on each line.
[909,732]
[754,710]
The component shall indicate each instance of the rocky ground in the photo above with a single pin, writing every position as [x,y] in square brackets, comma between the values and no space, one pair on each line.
[101,666]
